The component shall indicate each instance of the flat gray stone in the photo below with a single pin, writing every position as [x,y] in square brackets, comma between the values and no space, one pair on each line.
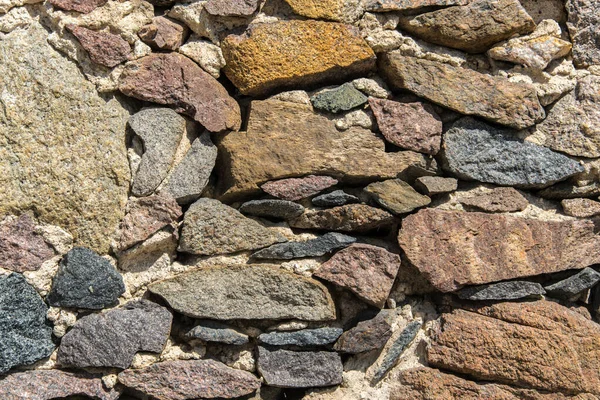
[334,199]
[212,331]
[278,209]
[502,291]
[303,338]
[584,29]
[574,285]
[311,248]
[398,347]
[342,98]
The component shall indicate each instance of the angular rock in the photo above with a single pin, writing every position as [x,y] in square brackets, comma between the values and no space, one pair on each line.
[569,190]
[211,227]
[264,58]
[366,335]
[26,335]
[472,150]
[111,339]
[574,285]
[367,271]
[464,90]
[163,34]
[291,369]
[211,331]
[246,292]
[540,345]
[498,200]
[85,280]
[408,5]
[79,170]
[175,80]
[231,8]
[333,199]
[205,54]
[320,246]
[21,248]
[396,349]
[292,189]
[302,338]
[412,126]
[434,185]
[190,379]
[53,384]
[343,98]
[104,48]
[82,6]
[279,209]
[512,290]
[474,248]
[396,196]
[474,27]
[584,29]
[332,10]
[348,218]
[582,208]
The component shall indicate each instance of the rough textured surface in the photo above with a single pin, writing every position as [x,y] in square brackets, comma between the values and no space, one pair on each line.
[85,280]
[396,196]
[497,200]
[292,189]
[211,227]
[246,292]
[348,218]
[21,248]
[26,338]
[163,34]
[104,48]
[406,5]
[111,339]
[368,271]
[331,10]
[175,80]
[366,335]
[231,8]
[333,199]
[79,170]
[302,338]
[583,208]
[502,291]
[396,349]
[279,209]
[584,24]
[342,98]
[211,331]
[183,380]
[472,150]
[574,285]
[475,248]
[284,368]
[265,56]
[317,247]
[434,185]
[464,90]
[82,6]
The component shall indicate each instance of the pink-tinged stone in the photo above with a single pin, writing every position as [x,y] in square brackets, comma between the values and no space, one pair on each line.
[53,384]
[21,248]
[499,200]
[231,8]
[82,6]
[347,218]
[104,48]
[298,188]
[413,126]
[582,208]
[164,34]
[368,271]
[193,379]
[177,81]
[146,216]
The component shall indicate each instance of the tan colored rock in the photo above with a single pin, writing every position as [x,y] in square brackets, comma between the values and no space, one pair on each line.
[287,140]
[396,196]
[433,185]
[207,55]
[464,90]
[231,8]
[266,57]
[405,5]
[453,248]
[347,218]
[582,208]
[332,10]
[505,199]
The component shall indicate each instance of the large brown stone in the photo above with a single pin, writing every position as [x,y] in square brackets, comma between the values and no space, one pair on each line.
[104,48]
[347,218]
[453,248]
[540,345]
[177,81]
[290,140]
[464,90]
[294,53]
[21,248]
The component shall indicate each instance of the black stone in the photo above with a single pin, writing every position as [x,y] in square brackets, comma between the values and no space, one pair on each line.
[270,208]
[502,291]
[396,349]
[574,285]
[211,331]
[334,199]
[311,248]
[303,338]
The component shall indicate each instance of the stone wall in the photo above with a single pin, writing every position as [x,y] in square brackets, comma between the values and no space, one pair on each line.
[299,199]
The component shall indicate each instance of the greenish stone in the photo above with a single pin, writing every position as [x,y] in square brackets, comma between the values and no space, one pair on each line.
[342,98]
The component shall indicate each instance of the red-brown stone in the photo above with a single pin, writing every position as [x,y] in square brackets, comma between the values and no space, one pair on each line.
[82,6]
[21,248]
[104,48]
[347,218]
[298,188]
[164,34]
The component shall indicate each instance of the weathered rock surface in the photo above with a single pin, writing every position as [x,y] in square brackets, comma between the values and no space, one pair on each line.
[207,55]
[342,98]
[584,24]
[582,208]
[85,280]
[212,331]
[407,5]
[175,80]
[79,170]
[464,90]
[475,248]
[332,10]
[570,190]
[111,339]
[292,189]
[279,209]
[302,338]
[265,56]
[433,185]
[366,335]
[284,368]
[287,140]
[211,227]
[26,337]
[472,150]
[334,199]
[190,379]
[498,200]
[396,349]
[574,285]
[474,27]
[246,292]
[82,6]
[164,34]
[231,8]
[396,196]
[502,291]
[104,48]
[540,345]
[320,246]
[412,126]
[21,248]
[367,271]
[348,218]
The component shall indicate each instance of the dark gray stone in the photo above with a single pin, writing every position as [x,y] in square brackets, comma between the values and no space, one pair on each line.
[584,29]
[279,209]
[334,199]
[573,285]
[85,280]
[303,338]
[398,347]
[342,98]
[367,335]
[111,339]
[311,248]
[25,337]
[475,150]
[299,369]
[211,331]
[502,291]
